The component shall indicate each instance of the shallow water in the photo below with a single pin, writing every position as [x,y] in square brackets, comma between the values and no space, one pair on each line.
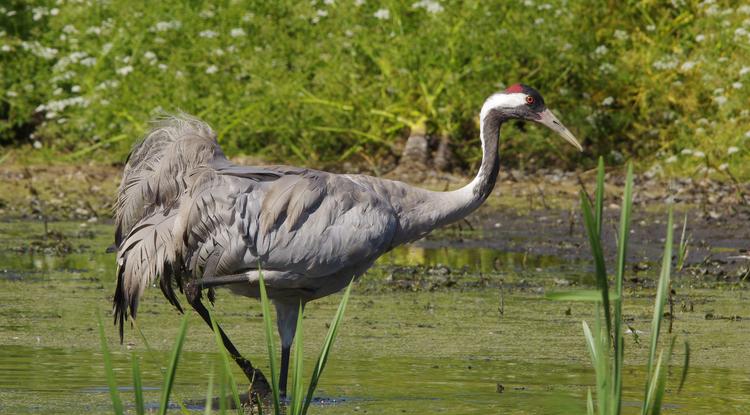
[440,350]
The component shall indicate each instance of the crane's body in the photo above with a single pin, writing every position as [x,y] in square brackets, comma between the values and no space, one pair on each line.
[189,218]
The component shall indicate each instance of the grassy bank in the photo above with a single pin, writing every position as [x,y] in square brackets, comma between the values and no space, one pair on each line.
[326,82]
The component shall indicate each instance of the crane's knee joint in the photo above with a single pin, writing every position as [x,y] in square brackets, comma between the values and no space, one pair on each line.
[192,292]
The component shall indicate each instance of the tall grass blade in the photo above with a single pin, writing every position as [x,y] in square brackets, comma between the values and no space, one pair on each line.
[661,293]
[684,241]
[209,393]
[622,249]
[172,367]
[270,344]
[140,408]
[109,369]
[223,393]
[599,196]
[589,403]
[591,344]
[326,349]
[685,365]
[226,366]
[661,298]
[651,386]
[297,387]
[596,249]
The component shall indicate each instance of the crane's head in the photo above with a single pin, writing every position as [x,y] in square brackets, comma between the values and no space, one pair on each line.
[525,103]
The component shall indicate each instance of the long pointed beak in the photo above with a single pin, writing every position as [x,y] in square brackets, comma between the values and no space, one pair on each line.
[547,118]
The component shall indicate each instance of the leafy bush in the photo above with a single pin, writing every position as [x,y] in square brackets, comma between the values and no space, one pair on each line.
[331,80]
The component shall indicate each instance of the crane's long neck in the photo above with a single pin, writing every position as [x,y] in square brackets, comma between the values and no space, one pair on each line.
[461,202]
[423,210]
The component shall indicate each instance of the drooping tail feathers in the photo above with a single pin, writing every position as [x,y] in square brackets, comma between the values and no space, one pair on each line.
[146,254]
[158,168]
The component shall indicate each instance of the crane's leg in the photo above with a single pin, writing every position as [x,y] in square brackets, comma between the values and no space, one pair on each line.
[286,321]
[259,384]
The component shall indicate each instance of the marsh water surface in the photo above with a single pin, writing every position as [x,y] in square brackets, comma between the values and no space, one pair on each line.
[455,324]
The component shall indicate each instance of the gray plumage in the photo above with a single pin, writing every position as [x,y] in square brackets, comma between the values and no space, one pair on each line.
[185,213]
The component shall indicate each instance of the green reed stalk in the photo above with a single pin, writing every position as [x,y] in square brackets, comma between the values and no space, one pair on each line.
[109,370]
[172,367]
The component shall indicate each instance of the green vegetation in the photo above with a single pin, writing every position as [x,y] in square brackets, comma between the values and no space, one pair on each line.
[605,342]
[300,398]
[323,82]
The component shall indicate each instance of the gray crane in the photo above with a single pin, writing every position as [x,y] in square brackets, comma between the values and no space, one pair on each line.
[190,219]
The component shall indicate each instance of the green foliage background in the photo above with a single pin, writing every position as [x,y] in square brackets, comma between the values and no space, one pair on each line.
[321,82]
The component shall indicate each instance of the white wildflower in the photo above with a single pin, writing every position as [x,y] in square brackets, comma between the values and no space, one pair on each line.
[700,38]
[567,46]
[88,62]
[321,13]
[149,55]
[699,154]
[744,9]
[431,6]
[107,47]
[162,67]
[6,48]
[601,50]
[720,100]
[75,89]
[329,2]
[718,91]
[218,52]
[621,34]
[545,6]
[69,29]
[723,166]
[737,85]
[94,30]
[165,26]
[11,93]
[206,14]
[686,152]
[247,17]
[54,12]
[212,69]
[237,32]
[382,14]
[712,10]
[10,13]
[38,12]
[208,34]
[665,63]
[744,70]
[37,144]
[60,105]
[125,70]
[608,101]
[539,21]
[687,65]
[671,159]
[359,3]
[740,32]
[607,68]
[747,134]
[731,150]
[650,28]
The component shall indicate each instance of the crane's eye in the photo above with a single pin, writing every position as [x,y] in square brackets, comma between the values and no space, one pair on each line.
[529,100]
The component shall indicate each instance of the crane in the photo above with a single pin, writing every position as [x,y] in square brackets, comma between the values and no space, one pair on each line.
[190,219]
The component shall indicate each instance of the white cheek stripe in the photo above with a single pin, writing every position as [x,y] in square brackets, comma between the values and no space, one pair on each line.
[502,100]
